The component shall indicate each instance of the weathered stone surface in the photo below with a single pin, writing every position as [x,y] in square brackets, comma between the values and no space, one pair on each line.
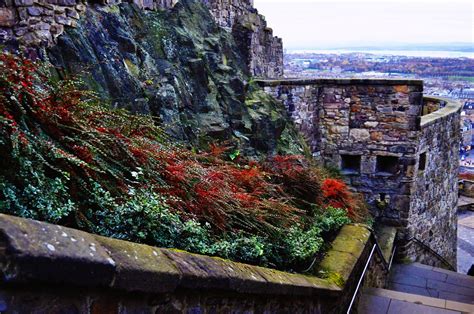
[25,3]
[7,17]
[359,135]
[35,252]
[35,11]
[162,280]
[263,53]
[140,267]
[433,220]
[380,121]
[199,93]
[346,250]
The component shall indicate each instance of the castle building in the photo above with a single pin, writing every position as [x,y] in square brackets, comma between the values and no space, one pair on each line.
[394,146]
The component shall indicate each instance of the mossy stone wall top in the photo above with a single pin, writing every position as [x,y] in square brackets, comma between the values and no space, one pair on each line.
[55,258]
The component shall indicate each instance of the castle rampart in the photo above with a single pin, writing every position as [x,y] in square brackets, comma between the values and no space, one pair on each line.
[433,217]
[405,164]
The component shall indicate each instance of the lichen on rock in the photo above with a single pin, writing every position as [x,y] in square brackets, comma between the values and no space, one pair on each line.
[179,66]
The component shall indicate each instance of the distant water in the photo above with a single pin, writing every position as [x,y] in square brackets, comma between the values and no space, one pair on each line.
[408,53]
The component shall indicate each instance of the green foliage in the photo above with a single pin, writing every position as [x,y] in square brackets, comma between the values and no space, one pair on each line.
[303,245]
[45,199]
[40,197]
[332,219]
[243,248]
[65,158]
[145,217]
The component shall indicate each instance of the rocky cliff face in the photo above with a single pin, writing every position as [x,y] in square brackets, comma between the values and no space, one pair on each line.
[37,23]
[180,66]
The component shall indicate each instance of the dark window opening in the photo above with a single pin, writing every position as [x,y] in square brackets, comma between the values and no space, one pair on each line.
[387,164]
[350,163]
[422,163]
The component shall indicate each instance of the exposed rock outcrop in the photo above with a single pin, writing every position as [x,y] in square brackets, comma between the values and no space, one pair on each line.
[36,23]
[180,66]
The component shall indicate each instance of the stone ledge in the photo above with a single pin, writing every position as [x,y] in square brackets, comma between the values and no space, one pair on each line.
[346,250]
[386,237]
[344,81]
[37,252]
[452,107]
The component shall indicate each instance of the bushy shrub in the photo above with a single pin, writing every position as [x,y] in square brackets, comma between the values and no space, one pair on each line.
[67,159]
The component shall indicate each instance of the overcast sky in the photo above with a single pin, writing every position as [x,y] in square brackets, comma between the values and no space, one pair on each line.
[318,23]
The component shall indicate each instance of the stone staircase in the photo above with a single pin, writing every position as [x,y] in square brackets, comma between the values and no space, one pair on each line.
[420,289]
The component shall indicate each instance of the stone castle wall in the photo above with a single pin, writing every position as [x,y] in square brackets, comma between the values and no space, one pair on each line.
[52,269]
[302,104]
[433,208]
[263,51]
[362,120]
[374,131]
[36,23]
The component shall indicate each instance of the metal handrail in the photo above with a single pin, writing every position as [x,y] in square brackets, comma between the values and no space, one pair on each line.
[387,265]
[391,258]
[361,278]
[426,247]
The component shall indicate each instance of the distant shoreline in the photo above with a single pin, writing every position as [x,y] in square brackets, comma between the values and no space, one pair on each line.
[387,52]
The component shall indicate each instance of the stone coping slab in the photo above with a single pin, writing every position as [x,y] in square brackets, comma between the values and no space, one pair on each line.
[33,252]
[386,237]
[346,251]
[452,107]
[342,81]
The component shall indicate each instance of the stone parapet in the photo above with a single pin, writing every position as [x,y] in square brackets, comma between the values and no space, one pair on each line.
[433,206]
[446,108]
[58,269]
[432,104]
[332,81]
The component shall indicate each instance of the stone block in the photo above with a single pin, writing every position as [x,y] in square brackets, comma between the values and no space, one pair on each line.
[64,20]
[198,271]
[72,13]
[359,135]
[6,34]
[401,89]
[67,2]
[140,267]
[8,17]
[371,124]
[81,7]
[24,3]
[56,30]
[41,252]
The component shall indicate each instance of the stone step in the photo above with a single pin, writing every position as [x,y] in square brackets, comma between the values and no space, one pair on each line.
[389,301]
[432,282]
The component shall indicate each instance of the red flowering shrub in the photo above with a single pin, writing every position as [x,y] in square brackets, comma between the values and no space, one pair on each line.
[97,157]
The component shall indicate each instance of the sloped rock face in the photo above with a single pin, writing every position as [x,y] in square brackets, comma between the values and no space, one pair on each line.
[178,65]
